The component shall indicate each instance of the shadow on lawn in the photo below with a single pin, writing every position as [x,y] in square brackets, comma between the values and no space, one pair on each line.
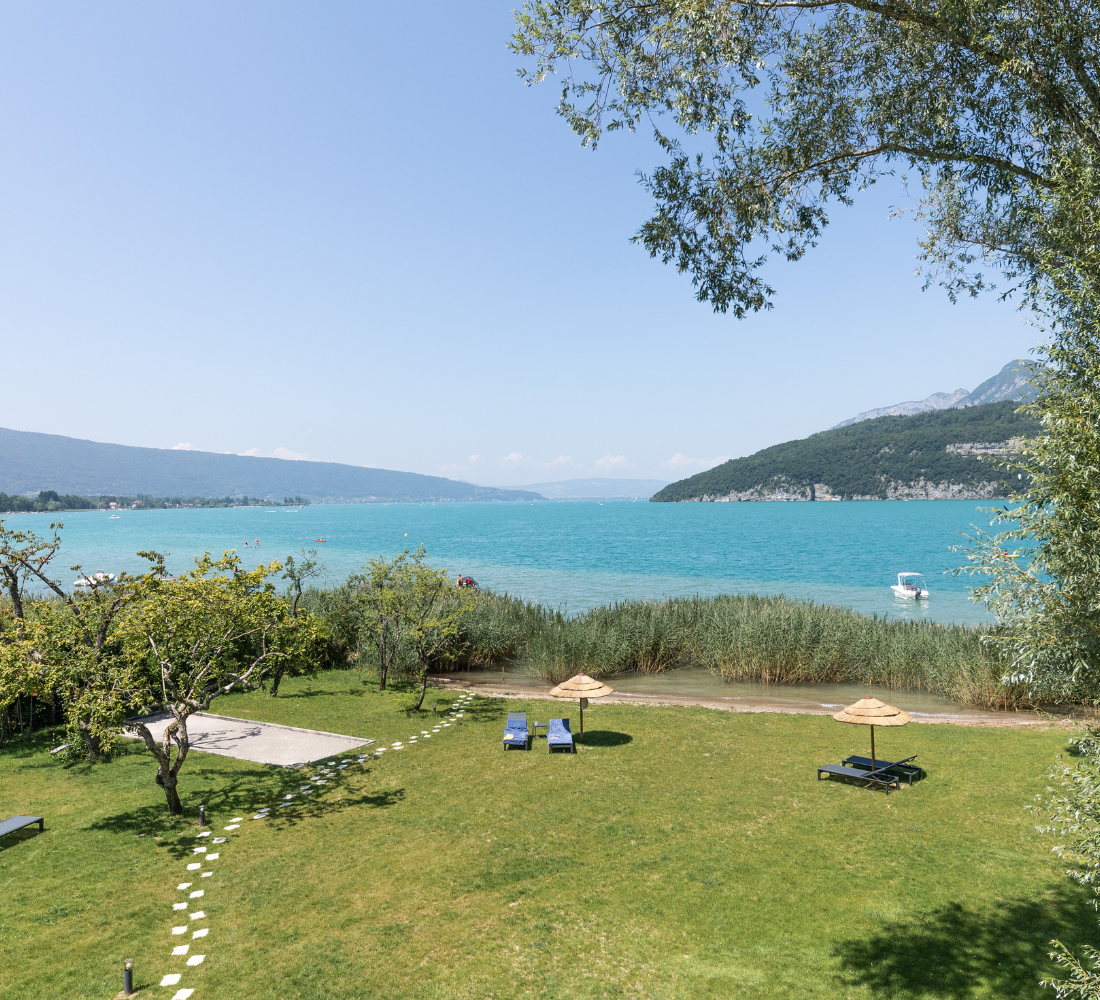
[18,837]
[955,954]
[243,794]
[604,738]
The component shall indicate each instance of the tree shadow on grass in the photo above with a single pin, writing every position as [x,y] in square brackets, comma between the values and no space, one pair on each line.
[243,794]
[486,709]
[348,693]
[953,953]
[604,738]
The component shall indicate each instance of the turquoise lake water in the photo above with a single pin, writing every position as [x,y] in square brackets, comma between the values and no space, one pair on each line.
[576,555]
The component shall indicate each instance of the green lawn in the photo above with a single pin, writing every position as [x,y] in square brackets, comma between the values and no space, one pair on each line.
[681,853]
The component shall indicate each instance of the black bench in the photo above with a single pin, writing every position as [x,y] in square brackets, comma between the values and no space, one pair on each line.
[870,778]
[902,768]
[18,822]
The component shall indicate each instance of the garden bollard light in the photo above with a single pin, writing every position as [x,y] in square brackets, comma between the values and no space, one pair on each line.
[128,978]
[202,815]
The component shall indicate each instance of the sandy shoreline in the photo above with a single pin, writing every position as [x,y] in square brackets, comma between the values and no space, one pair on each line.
[1006,720]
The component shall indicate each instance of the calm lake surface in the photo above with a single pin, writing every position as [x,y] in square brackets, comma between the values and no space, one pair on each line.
[576,555]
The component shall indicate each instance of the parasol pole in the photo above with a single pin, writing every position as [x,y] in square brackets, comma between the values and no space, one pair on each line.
[874,766]
[581,737]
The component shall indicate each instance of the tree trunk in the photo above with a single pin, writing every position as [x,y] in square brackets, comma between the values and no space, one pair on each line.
[92,743]
[275,678]
[423,689]
[168,781]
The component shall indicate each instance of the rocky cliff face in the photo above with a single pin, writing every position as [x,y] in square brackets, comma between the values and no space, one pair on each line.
[921,490]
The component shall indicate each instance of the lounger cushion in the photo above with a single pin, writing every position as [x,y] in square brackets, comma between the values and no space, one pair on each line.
[559,732]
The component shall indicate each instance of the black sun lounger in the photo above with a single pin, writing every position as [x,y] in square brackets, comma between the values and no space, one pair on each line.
[18,822]
[902,768]
[516,733]
[872,779]
[560,736]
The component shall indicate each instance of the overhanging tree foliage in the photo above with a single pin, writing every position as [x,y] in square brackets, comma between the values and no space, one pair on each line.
[995,106]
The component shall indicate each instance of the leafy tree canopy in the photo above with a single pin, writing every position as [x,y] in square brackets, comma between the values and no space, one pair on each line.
[996,107]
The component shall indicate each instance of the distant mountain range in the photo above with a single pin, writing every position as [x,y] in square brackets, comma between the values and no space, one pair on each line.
[30,462]
[603,489]
[937,455]
[1011,382]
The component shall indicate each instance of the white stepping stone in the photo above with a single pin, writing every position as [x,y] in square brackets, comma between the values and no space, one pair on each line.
[212,857]
[428,737]
[171,979]
[206,833]
[196,960]
[179,930]
[235,819]
[285,804]
[197,893]
[184,885]
[182,949]
[198,915]
[194,867]
[200,933]
[260,816]
[207,874]
[321,782]
[182,994]
[198,850]
[179,906]
[220,840]
[445,725]
[423,732]
[232,826]
[290,796]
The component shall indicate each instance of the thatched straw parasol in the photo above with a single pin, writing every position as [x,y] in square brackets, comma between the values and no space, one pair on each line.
[583,687]
[871,712]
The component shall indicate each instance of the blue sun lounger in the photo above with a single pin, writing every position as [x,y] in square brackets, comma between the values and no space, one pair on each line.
[516,733]
[559,736]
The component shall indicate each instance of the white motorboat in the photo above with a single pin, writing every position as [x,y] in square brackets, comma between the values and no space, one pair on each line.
[911,586]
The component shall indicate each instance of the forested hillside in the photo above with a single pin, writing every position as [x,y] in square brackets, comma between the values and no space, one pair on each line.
[913,456]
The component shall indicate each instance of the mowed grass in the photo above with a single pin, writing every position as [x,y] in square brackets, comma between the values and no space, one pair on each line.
[681,853]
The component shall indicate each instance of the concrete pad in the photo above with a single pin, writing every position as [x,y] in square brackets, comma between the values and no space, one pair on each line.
[262,742]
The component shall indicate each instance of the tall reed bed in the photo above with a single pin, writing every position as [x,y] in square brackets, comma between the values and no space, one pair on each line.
[769,639]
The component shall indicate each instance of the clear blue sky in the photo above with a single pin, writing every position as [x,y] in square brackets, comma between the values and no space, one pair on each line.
[348,232]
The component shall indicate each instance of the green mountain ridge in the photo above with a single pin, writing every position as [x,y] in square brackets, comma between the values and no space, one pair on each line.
[934,455]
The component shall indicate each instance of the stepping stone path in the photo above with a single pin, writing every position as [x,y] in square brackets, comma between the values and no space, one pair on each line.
[321,776]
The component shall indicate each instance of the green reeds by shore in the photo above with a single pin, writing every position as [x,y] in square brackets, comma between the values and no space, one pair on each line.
[770,639]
